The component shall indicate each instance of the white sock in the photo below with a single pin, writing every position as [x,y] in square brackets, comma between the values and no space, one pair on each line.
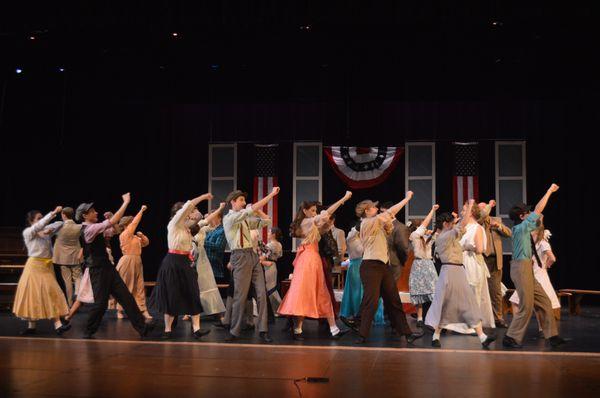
[482,337]
[334,330]
[297,330]
[30,325]
[57,324]
[436,336]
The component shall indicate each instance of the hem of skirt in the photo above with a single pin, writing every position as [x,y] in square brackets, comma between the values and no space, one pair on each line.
[421,298]
[32,319]
[313,316]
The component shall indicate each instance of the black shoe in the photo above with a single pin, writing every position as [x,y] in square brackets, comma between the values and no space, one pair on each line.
[557,341]
[230,338]
[167,336]
[420,324]
[221,325]
[247,328]
[148,327]
[410,338]
[488,340]
[360,340]
[28,332]
[351,323]
[200,332]
[65,321]
[298,336]
[339,334]
[509,342]
[500,324]
[264,336]
[63,328]
[436,343]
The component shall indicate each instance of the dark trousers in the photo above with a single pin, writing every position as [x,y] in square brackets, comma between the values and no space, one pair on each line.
[106,281]
[378,281]
[59,279]
[327,268]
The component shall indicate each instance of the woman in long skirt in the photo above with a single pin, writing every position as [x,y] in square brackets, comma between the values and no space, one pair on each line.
[454,300]
[130,264]
[308,295]
[177,292]
[38,294]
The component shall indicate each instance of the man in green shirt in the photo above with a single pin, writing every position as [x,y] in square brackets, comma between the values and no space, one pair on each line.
[531,294]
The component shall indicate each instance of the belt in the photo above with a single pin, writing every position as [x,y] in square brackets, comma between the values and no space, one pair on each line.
[457,265]
[183,253]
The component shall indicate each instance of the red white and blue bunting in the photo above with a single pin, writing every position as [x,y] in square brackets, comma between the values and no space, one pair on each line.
[363,167]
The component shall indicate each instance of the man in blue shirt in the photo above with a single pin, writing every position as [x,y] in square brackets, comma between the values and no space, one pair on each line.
[531,294]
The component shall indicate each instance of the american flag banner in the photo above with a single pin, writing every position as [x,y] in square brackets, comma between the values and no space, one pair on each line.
[466,173]
[265,178]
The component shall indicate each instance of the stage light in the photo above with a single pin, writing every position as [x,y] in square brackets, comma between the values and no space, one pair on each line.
[61,69]
[305,27]
[175,34]
[18,71]
[497,23]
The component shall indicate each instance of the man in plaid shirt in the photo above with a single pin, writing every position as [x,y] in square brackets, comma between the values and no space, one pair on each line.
[214,244]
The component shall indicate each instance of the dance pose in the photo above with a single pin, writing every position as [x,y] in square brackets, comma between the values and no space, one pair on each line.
[353,288]
[130,265]
[543,258]
[423,275]
[273,252]
[398,243]
[38,294]
[530,291]
[454,300]
[177,292]
[376,276]
[100,273]
[494,230]
[68,254]
[211,300]
[474,243]
[247,270]
[308,295]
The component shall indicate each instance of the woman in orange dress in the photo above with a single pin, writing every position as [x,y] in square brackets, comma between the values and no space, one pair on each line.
[130,264]
[308,295]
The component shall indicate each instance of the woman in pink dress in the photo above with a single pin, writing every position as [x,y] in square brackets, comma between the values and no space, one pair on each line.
[308,295]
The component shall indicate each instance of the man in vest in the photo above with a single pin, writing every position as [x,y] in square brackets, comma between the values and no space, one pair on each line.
[67,253]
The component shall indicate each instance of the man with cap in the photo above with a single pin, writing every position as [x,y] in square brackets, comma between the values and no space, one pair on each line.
[104,277]
[397,243]
[530,292]
[375,272]
[245,262]
[494,231]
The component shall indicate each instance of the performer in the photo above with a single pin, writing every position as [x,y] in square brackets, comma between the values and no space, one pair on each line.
[68,254]
[353,288]
[308,295]
[130,265]
[211,300]
[246,265]
[177,292]
[273,252]
[375,274]
[423,275]
[214,245]
[103,277]
[340,239]
[494,230]
[328,250]
[474,243]
[38,294]
[543,258]
[398,243]
[454,300]
[530,291]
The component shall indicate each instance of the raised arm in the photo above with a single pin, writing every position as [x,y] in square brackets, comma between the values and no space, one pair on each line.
[429,217]
[41,224]
[209,219]
[539,208]
[136,220]
[119,214]
[261,203]
[331,209]
[187,208]
[398,206]
[143,238]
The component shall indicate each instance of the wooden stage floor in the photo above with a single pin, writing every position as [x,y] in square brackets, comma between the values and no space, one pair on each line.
[118,364]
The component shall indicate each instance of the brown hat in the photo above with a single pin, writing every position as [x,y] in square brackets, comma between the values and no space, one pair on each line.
[361,207]
[234,195]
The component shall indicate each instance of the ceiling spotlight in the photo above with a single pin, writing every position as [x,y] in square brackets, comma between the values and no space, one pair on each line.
[175,34]
[214,66]
[18,71]
[305,27]
[61,69]
[497,23]
[31,37]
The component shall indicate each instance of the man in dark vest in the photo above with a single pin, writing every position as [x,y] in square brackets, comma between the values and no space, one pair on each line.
[104,277]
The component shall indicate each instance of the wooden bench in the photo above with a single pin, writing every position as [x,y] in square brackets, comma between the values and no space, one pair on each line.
[575,296]
[507,305]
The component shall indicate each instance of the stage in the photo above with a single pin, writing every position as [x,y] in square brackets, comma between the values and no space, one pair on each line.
[117,363]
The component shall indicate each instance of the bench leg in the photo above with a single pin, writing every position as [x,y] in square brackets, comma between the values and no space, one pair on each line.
[575,304]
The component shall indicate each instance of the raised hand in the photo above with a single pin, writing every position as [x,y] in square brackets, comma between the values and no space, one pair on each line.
[275,190]
[435,207]
[207,196]
[347,196]
[144,208]
[222,205]
[553,188]
[126,197]
[492,203]
[57,210]
[409,195]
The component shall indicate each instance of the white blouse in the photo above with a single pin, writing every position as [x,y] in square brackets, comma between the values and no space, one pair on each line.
[355,247]
[38,238]
[421,249]
[178,233]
